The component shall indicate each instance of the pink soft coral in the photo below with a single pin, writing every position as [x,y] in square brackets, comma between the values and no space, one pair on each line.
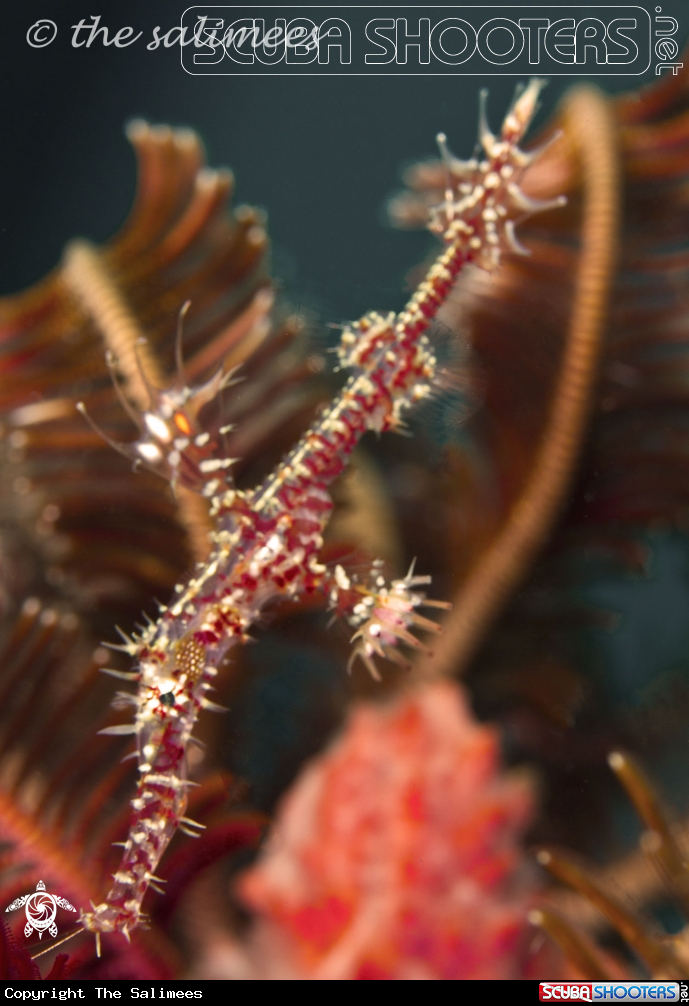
[395,855]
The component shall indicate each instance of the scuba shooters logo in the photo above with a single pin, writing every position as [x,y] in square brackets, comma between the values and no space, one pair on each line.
[373,39]
[41,909]
[612,991]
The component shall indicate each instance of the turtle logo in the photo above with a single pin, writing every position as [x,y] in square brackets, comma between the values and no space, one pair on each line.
[41,909]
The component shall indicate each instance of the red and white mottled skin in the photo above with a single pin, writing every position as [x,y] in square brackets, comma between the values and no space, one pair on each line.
[267,541]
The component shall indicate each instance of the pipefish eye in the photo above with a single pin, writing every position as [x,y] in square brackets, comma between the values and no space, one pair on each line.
[182,423]
[168,699]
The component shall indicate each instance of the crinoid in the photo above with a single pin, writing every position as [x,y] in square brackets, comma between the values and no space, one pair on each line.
[86,541]
[89,542]
[579,446]
[663,845]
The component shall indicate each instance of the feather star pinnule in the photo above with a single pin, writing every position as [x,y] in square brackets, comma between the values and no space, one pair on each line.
[266,541]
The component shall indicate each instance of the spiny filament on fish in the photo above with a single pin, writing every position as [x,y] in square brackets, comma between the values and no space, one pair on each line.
[266,541]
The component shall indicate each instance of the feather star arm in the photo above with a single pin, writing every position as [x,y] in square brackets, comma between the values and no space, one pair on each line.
[266,542]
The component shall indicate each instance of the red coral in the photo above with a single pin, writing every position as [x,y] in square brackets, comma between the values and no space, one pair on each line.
[395,856]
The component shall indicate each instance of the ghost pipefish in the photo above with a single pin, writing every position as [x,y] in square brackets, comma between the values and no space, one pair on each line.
[266,541]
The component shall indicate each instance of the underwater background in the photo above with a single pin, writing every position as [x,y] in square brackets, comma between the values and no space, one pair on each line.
[322,157]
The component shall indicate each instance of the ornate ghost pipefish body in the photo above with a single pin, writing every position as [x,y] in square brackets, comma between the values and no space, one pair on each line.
[266,542]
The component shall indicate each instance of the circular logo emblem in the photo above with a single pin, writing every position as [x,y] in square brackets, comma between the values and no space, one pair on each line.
[41,910]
